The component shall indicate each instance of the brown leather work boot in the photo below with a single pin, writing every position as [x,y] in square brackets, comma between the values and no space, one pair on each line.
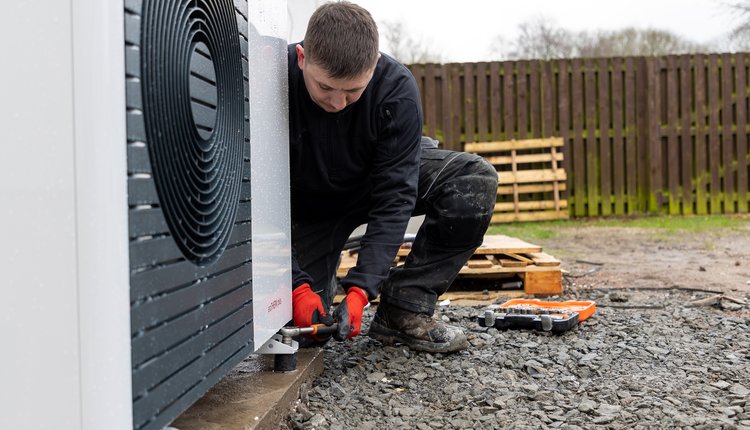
[418,331]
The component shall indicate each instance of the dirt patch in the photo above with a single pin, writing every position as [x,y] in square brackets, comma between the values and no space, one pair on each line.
[718,260]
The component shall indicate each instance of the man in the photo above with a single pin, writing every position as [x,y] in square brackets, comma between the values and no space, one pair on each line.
[357,156]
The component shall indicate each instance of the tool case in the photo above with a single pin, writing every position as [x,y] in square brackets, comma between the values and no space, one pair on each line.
[532,314]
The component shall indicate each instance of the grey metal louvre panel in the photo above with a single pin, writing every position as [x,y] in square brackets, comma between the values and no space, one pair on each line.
[191,314]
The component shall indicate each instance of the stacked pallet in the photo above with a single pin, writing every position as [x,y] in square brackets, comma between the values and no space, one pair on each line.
[530,178]
[499,257]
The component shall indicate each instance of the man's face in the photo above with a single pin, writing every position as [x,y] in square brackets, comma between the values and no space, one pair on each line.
[331,94]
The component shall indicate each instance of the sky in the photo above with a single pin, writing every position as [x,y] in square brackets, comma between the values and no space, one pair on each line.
[465,29]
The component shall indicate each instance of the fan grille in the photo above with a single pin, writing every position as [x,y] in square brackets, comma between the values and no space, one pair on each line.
[194,112]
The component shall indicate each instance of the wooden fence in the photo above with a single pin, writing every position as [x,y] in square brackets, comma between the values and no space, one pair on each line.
[642,134]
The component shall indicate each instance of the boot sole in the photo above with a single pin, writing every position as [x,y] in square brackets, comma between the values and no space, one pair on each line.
[389,336]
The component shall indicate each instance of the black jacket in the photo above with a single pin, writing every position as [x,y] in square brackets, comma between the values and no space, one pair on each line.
[367,155]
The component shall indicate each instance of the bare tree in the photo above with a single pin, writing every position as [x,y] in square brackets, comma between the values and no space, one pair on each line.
[632,41]
[501,49]
[405,48]
[541,38]
[739,36]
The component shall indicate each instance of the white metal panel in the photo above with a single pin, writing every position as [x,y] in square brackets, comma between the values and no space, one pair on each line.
[39,364]
[269,140]
[102,207]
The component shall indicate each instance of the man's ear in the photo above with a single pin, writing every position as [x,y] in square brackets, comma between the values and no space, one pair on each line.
[300,56]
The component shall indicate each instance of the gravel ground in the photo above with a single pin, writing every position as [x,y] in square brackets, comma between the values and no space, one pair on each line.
[646,359]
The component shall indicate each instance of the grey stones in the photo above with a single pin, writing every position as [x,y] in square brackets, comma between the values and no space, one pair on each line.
[375,377]
[739,390]
[587,405]
[639,368]
[318,420]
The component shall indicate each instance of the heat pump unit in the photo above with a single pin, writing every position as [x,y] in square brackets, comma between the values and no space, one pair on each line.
[145,215]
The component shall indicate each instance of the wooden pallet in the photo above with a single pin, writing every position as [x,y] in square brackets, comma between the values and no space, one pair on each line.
[500,257]
[530,178]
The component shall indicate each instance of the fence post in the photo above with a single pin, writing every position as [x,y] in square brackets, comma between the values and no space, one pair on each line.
[649,140]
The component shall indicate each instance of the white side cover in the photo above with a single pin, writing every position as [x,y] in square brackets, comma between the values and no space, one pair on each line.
[269,140]
[102,213]
[65,361]
[40,359]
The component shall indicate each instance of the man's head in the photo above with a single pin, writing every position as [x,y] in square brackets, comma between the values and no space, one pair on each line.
[340,54]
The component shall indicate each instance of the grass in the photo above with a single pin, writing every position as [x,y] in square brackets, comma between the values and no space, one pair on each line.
[661,224]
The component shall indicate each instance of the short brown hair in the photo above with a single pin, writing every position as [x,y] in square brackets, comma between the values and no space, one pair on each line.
[342,39]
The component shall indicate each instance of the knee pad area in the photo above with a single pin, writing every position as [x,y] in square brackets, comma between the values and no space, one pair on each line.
[472,191]
[463,212]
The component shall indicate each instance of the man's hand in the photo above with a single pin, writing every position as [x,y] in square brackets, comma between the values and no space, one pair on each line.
[307,308]
[349,313]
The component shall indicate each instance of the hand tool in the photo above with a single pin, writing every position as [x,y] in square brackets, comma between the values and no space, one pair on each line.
[288,362]
[556,317]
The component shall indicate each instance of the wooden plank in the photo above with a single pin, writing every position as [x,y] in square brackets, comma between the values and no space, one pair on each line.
[526,176]
[457,108]
[531,205]
[501,244]
[592,146]
[701,149]
[446,125]
[714,144]
[514,175]
[605,151]
[649,147]
[742,162]
[518,257]
[618,143]
[673,150]
[543,283]
[556,184]
[522,97]
[470,298]
[509,101]
[642,121]
[469,102]
[492,258]
[510,262]
[578,155]
[495,101]
[430,97]
[686,138]
[535,98]
[547,85]
[479,264]
[499,271]
[563,126]
[529,216]
[524,158]
[631,144]
[656,168]
[485,147]
[532,188]
[543,259]
[727,136]
[482,102]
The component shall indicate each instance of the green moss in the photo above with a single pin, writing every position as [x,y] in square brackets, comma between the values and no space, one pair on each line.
[663,224]
[530,230]
[695,224]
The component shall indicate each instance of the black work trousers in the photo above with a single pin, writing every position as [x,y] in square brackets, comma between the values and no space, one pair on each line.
[457,193]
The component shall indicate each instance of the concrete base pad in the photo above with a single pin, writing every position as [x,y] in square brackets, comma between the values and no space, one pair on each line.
[252,395]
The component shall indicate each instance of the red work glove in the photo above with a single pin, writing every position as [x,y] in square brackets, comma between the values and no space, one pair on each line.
[307,308]
[349,313]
